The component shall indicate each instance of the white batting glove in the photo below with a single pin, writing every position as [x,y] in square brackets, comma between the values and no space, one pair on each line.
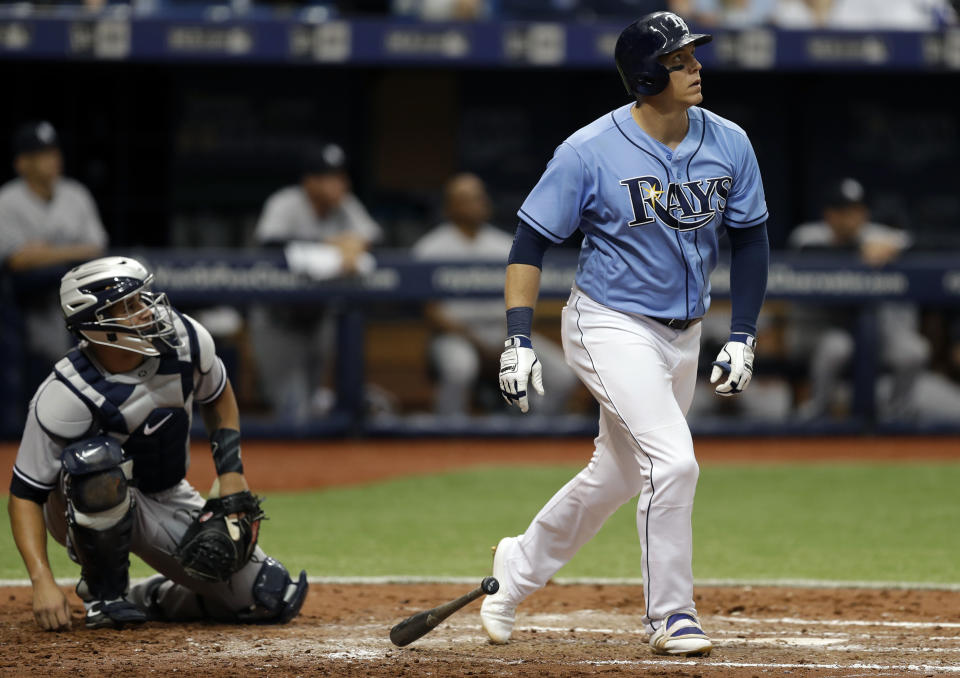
[735,360]
[518,366]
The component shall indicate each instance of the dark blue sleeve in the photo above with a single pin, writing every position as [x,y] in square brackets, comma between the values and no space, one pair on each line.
[19,488]
[528,246]
[749,261]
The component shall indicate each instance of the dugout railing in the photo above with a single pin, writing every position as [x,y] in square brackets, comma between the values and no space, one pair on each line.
[239,278]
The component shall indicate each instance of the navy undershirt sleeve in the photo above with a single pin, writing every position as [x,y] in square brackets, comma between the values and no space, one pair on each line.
[528,246]
[749,261]
[19,488]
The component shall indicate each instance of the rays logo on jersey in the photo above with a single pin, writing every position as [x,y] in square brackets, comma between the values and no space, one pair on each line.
[686,206]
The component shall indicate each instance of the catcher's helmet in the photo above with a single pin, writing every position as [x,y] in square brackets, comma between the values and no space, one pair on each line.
[108,301]
[642,42]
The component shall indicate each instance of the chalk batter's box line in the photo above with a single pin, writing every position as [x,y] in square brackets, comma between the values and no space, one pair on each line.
[636,581]
[594,581]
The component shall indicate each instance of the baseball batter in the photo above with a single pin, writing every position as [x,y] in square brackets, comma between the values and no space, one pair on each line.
[102,461]
[653,186]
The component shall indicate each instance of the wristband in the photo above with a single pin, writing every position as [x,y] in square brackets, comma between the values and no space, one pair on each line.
[519,321]
[225,445]
[518,341]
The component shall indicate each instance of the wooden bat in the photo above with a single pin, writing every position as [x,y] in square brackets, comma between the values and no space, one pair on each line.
[421,623]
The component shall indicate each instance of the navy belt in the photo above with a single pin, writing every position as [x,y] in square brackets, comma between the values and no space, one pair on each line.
[677,323]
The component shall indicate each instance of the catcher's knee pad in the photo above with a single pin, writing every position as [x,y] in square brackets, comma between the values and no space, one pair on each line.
[95,481]
[278,598]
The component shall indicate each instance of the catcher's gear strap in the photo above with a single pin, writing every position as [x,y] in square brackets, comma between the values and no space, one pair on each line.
[241,502]
[203,352]
[225,445]
[749,261]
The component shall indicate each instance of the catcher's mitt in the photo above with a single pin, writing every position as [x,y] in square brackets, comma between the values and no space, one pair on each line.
[216,545]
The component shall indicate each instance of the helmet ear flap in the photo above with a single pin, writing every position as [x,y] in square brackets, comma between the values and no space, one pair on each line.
[650,80]
[653,80]
[627,85]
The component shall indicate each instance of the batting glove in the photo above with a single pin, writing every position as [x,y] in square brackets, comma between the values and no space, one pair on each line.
[518,366]
[735,360]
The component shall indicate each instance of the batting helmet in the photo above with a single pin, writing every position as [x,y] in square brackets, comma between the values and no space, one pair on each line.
[642,42]
[108,301]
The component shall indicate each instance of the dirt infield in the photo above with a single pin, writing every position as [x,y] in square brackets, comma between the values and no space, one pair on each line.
[562,630]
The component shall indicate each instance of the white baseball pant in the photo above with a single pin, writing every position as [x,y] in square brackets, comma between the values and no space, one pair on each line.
[642,374]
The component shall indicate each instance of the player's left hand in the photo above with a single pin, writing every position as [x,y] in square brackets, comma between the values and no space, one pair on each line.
[51,609]
[735,360]
[518,367]
[221,538]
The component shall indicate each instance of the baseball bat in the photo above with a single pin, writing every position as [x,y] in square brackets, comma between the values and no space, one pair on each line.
[421,623]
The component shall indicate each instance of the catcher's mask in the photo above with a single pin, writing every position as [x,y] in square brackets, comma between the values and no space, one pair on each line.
[109,301]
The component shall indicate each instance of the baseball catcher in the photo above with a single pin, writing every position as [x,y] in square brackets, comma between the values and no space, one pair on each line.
[102,465]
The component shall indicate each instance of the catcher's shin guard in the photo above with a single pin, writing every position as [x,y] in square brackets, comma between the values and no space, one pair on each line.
[99,516]
[278,598]
[104,557]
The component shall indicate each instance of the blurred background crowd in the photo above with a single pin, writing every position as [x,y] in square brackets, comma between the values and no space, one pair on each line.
[333,165]
[788,14]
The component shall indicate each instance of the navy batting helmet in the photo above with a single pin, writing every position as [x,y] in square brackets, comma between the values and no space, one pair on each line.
[642,42]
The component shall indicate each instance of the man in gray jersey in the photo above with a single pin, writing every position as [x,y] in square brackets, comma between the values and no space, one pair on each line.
[468,332]
[320,209]
[104,455]
[46,219]
[325,232]
[826,335]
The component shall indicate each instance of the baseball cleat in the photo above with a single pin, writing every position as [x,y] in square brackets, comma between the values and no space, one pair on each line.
[113,614]
[498,613]
[681,635]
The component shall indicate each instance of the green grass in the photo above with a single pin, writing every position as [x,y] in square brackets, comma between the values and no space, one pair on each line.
[858,522]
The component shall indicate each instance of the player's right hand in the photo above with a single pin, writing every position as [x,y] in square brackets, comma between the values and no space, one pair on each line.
[518,367]
[51,609]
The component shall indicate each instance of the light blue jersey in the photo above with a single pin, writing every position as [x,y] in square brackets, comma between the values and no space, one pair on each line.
[651,216]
